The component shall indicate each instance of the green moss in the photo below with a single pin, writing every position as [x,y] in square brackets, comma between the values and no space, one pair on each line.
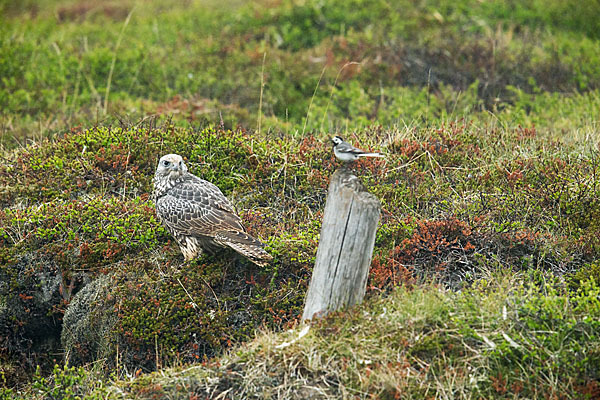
[586,274]
[117,161]
[499,338]
[65,383]
[83,234]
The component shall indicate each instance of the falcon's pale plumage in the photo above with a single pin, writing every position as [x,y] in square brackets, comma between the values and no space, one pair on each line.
[198,215]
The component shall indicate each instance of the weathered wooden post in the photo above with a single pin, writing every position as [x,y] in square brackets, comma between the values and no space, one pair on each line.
[345,248]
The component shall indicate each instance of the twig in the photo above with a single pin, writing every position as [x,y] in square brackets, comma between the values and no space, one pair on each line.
[188,294]
[332,89]
[262,85]
[312,98]
[114,60]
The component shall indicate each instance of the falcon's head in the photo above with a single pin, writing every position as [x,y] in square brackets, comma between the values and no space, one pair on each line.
[170,166]
[337,140]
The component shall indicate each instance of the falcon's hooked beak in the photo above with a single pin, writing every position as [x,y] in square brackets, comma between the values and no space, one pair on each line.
[177,166]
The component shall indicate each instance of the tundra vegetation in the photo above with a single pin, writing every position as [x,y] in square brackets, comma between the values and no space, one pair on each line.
[485,276]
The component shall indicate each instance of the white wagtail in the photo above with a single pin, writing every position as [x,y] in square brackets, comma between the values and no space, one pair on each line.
[344,151]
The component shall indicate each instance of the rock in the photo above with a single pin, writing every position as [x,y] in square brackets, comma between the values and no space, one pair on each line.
[88,322]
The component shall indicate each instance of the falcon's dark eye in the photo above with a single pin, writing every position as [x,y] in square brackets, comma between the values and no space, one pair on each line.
[166,163]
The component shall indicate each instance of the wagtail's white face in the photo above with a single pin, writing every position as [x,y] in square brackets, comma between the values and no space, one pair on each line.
[171,166]
[337,140]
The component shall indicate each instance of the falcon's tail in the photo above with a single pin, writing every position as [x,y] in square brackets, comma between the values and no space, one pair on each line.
[246,245]
[370,155]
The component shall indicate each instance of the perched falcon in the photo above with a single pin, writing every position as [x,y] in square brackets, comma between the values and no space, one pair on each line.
[344,151]
[198,215]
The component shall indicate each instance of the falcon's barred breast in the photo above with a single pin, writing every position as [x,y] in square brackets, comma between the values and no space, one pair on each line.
[198,215]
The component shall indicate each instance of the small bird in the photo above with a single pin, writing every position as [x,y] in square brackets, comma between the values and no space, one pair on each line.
[198,215]
[344,151]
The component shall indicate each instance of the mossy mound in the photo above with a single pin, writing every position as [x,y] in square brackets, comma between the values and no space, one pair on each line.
[514,335]
[450,213]
[111,269]
[166,313]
